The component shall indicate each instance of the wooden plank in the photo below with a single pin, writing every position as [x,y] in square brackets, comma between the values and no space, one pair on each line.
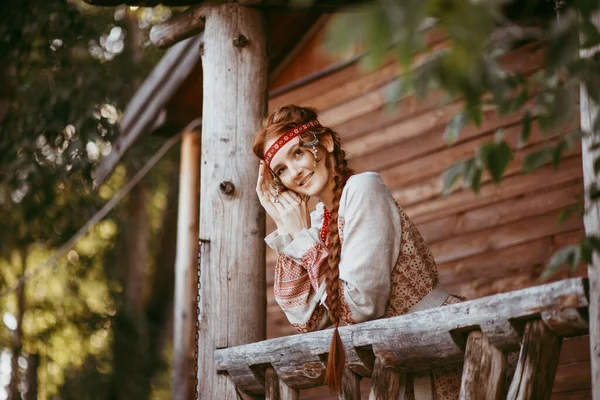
[232,302]
[428,143]
[500,237]
[498,214]
[385,383]
[346,84]
[588,114]
[575,376]
[512,281]
[179,27]
[484,371]
[523,60]
[186,271]
[514,185]
[412,342]
[537,364]
[572,395]
[432,165]
[575,350]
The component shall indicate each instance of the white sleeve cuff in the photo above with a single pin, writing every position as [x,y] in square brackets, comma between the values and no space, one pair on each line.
[278,241]
[302,242]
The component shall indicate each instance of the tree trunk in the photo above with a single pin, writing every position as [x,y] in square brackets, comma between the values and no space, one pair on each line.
[160,303]
[17,335]
[186,276]
[589,112]
[130,344]
[33,363]
[232,251]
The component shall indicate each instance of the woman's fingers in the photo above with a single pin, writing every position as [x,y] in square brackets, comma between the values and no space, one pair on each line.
[290,198]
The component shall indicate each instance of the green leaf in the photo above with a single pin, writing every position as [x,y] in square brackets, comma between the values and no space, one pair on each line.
[453,128]
[498,158]
[535,160]
[472,175]
[588,245]
[597,165]
[563,41]
[451,175]
[566,213]
[570,255]
[525,129]
[395,91]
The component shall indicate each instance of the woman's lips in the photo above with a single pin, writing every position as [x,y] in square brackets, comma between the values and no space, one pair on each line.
[306,179]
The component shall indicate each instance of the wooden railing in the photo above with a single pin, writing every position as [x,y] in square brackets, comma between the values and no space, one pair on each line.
[479,332]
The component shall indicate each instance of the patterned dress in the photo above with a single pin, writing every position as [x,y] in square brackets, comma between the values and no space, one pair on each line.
[386,270]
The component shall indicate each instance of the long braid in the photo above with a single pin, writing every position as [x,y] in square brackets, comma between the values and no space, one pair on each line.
[337,355]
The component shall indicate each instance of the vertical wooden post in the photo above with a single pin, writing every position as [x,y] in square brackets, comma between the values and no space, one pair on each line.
[276,389]
[538,361]
[271,385]
[484,372]
[385,383]
[232,252]
[588,114]
[350,385]
[184,316]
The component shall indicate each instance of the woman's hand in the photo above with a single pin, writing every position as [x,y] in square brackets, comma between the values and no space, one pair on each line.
[293,211]
[288,209]
[265,193]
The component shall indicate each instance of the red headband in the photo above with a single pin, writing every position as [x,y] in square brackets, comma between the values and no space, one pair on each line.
[286,137]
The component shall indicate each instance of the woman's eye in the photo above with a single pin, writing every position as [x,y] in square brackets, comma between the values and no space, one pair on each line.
[298,152]
[279,171]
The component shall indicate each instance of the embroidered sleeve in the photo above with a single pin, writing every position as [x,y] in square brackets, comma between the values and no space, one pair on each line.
[371,228]
[299,288]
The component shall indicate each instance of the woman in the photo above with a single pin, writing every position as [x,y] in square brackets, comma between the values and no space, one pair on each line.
[357,257]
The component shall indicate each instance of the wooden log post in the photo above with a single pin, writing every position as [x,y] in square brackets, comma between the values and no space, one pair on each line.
[350,385]
[484,372]
[537,363]
[184,317]
[232,303]
[588,114]
[385,382]
[276,389]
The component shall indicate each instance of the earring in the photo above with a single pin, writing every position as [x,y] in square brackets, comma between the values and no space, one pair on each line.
[313,146]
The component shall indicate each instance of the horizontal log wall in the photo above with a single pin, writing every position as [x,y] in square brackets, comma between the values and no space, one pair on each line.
[484,244]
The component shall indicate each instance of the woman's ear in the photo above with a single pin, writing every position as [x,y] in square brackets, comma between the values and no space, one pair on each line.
[326,141]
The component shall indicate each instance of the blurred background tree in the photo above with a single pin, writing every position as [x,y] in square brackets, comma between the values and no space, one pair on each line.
[468,70]
[95,325]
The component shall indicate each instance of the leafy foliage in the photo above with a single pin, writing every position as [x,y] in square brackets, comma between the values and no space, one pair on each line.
[470,69]
[68,71]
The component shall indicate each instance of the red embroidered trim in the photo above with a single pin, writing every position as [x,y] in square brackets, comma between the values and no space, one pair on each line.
[325,226]
[286,137]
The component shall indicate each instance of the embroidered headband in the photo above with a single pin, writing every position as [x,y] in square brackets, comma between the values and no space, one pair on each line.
[286,137]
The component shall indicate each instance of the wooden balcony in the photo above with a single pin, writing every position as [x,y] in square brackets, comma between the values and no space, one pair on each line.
[479,332]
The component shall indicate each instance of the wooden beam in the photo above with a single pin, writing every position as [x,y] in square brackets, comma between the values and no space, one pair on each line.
[589,111]
[484,372]
[407,343]
[537,364]
[142,112]
[232,251]
[182,26]
[186,273]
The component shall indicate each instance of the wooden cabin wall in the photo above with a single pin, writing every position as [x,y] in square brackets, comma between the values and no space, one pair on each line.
[493,242]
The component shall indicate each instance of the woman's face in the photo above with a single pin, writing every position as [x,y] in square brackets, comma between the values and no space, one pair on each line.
[294,166]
